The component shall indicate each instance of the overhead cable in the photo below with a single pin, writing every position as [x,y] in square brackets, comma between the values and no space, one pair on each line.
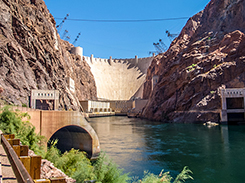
[118,21]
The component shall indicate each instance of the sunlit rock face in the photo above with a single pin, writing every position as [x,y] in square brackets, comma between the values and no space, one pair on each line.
[208,54]
[32,56]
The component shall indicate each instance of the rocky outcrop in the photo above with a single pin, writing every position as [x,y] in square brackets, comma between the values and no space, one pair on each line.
[208,54]
[48,170]
[32,56]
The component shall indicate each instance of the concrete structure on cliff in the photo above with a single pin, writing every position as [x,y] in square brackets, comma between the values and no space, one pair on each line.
[41,99]
[233,102]
[117,79]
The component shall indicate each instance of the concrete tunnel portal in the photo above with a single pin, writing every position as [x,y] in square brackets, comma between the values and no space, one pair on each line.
[73,137]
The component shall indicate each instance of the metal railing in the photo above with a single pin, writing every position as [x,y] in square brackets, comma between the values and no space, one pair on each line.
[20,171]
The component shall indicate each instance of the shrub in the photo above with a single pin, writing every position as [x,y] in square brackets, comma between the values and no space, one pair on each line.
[107,171]
[24,105]
[165,177]
[76,165]
[12,123]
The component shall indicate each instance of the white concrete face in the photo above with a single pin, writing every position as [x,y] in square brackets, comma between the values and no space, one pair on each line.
[118,79]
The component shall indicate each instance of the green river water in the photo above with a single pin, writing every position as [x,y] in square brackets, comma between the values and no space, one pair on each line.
[215,155]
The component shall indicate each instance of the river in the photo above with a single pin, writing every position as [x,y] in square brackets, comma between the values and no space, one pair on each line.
[215,154]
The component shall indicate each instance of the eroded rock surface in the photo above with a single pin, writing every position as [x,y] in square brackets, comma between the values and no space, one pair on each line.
[48,170]
[32,56]
[208,54]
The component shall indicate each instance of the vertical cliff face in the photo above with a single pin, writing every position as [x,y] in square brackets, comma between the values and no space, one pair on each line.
[208,54]
[32,56]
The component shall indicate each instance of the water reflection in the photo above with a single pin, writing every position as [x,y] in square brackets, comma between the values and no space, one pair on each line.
[214,154]
[121,139]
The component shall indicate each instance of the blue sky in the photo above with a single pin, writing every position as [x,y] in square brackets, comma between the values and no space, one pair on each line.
[127,39]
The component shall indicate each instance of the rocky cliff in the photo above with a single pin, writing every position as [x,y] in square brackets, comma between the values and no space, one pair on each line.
[208,54]
[32,56]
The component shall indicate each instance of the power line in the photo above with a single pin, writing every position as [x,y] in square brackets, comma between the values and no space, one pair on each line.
[118,21]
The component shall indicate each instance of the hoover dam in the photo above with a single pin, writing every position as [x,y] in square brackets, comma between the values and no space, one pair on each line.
[117,79]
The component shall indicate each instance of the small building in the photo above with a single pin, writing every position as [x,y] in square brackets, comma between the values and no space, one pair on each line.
[233,103]
[91,106]
[45,99]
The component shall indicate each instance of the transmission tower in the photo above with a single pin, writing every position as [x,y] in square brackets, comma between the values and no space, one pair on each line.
[59,27]
[163,45]
[76,38]
[171,36]
[66,31]
[160,47]
[67,38]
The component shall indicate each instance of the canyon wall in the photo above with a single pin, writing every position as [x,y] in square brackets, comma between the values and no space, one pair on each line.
[32,56]
[207,55]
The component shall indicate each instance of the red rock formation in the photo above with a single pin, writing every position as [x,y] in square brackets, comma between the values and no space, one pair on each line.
[32,56]
[208,53]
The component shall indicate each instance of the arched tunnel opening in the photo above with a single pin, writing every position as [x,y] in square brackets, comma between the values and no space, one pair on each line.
[73,137]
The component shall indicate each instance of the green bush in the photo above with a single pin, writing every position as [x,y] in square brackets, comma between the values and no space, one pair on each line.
[73,163]
[11,122]
[52,153]
[76,165]
[107,171]
[184,175]
[165,177]
[24,105]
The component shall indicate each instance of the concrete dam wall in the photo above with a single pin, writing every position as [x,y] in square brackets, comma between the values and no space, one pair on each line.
[118,79]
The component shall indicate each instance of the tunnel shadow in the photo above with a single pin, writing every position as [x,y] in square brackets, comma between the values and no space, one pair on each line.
[72,137]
